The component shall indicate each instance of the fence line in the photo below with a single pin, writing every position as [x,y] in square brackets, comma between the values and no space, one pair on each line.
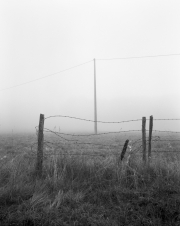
[167,140]
[77,141]
[133,143]
[40,132]
[89,120]
[154,139]
[99,134]
[161,131]
[167,151]
[167,119]
[88,135]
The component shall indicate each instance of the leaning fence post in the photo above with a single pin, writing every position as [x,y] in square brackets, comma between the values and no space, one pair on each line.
[39,163]
[124,149]
[150,137]
[123,152]
[144,138]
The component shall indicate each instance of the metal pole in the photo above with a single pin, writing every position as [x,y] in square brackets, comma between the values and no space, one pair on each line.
[95,103]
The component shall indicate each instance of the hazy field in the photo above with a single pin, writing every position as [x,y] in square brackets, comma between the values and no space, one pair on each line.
[85,183]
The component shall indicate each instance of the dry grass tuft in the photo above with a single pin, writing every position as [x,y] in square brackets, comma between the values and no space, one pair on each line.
[88,190]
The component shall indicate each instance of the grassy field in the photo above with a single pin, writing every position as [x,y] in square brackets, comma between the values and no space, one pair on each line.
[86,184]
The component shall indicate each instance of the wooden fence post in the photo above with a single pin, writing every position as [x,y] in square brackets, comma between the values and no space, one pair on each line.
[150,137]
[144,138]
[124,149]
[39,164]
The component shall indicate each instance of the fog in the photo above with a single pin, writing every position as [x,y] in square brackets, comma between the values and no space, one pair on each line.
[41,38]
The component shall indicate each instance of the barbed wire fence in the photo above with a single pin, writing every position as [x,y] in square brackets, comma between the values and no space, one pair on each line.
[68,141]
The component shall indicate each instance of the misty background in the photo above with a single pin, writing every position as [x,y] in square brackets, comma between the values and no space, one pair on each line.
[40,38]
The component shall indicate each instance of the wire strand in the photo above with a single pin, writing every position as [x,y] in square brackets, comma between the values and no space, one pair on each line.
[161,131]
[25,83]
[88,135]
[141,57]
[119,58]
[88,120]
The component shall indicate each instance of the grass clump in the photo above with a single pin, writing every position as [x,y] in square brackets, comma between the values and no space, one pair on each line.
[84,190]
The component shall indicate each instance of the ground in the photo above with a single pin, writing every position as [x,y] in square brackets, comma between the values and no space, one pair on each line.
[85,184]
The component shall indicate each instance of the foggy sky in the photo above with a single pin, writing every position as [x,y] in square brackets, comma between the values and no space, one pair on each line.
[39,38]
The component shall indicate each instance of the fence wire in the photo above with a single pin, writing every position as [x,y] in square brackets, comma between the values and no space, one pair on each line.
[88,135]
[89,120]
[65,146]
[133,144]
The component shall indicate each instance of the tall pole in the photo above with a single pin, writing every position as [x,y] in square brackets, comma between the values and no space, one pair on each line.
[95,103]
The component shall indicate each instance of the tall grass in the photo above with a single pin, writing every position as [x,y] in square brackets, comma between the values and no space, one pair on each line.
[89,190]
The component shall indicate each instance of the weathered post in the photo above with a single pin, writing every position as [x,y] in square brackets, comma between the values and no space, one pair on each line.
[120,158]
[124,149]
[39,164]
[150,137]
[144,138]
